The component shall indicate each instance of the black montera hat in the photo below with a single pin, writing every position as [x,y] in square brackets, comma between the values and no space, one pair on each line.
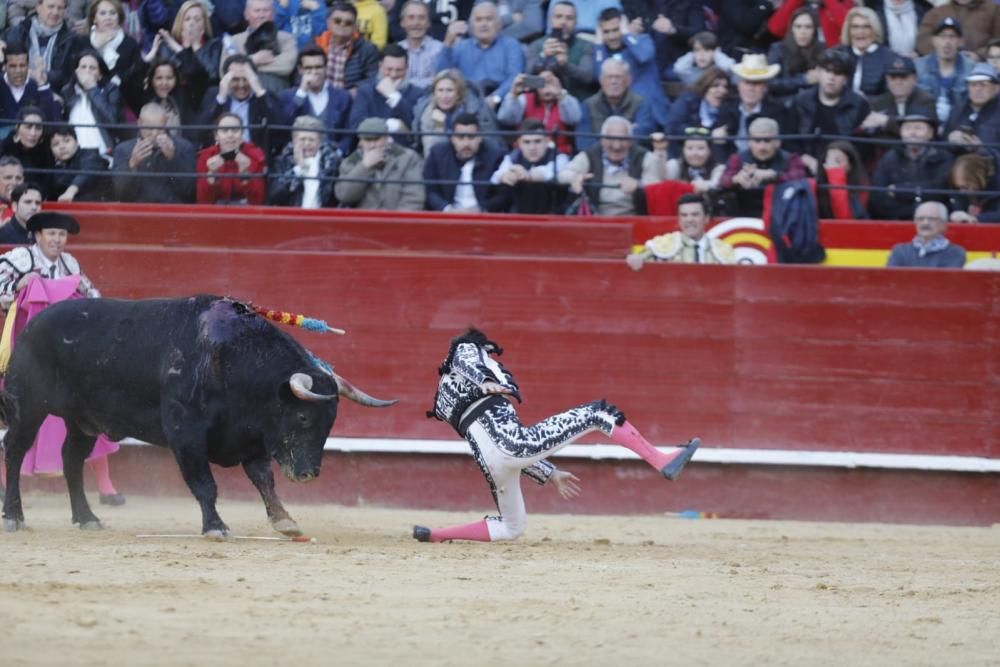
[53,220]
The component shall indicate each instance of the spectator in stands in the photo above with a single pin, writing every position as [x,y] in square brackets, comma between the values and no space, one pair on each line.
[929,248]
[29,145]
[977,121]
[75,178]
[550,104]
[119,51]
[942,72]
[906,170]
[740,23]
[154,152]
[614,171]
[527,175]
[753,75]
[242,93]
[840,165]
[616,98]
[21,87]
[863,36]
[486,58]
[303,175]
[11,176]
[27,201]
[458,171]
[671,23]
[901,20]
[981,19]
[700,106]
[156,15]
[422,49]
[972,174]
[831,15]
[93,103]
[749,172]
[272,51]
[316,96]
[162,85]
[305,20]
[19,10]
[449,98]
[704,56]
[689,245]
[993,53]
[829,109]
[231,171]
[902,96]
[391,96]
[796,53]
[49,40]
[638,51]
[350,59]
[380,174]
[373,23]
[192,49]
[560,51]
[696,163]
[587,13]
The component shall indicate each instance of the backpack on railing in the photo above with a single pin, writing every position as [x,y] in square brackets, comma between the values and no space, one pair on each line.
[794,223]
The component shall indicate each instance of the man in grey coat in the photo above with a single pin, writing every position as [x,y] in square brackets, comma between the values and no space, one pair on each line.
[144,167]
[380,174]
[929,248]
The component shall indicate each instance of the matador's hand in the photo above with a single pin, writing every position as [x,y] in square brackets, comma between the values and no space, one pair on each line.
[566,483]
[490,387]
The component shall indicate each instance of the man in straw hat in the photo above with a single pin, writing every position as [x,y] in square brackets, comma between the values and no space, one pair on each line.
[35,277]
[753,73]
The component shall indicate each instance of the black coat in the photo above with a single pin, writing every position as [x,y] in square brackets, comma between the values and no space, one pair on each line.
[264,112]
[32,159]
[442,165]
[929,171]
[741,23]
[850,112]
[92,187]
[68,43]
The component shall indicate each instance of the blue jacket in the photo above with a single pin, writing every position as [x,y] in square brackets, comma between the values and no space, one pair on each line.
[335,117]
[442,165]
[369,103]
[906,254]
[500,62]
[640,54]
[304,25]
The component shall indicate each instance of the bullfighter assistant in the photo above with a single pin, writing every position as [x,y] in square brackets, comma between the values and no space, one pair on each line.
[472,396]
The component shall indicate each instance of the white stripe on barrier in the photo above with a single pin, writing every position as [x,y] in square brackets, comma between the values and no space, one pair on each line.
[772,457]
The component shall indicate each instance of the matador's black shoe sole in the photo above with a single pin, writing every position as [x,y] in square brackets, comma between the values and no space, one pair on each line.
[422,534]
[673,469]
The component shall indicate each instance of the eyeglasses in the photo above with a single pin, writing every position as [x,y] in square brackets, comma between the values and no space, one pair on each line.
[700,131]
[343,22]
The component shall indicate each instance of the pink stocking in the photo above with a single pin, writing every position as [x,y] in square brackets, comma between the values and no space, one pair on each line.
[477,532]
[102,473]
[629,437]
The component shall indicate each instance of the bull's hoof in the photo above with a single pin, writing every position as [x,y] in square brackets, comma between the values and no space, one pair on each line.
[287,527]
[14,525]
[216,535]
[113,499]
[94,524]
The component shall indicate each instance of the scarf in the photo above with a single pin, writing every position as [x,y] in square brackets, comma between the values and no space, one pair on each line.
[39,31]
[936,244]
[901,24]
[109,52]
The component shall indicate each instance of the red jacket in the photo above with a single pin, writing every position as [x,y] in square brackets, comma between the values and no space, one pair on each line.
[232,188]
[550,117]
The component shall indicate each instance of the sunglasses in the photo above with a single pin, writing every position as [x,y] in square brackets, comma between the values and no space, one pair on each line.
[343,22]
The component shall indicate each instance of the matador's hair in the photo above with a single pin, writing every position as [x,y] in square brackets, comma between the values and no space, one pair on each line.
[471,335]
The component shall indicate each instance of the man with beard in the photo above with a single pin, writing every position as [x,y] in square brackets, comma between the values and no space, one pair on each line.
[458,171]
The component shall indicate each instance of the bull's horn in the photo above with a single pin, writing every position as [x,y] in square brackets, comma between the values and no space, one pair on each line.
[348,390]
[301,384]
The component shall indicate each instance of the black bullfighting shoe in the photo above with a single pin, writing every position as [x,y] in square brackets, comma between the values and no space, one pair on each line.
[673,469]
[112,499]
[422,534]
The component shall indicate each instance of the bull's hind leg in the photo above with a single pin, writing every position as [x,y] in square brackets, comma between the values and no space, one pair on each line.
[260,473]
[20,436]
[75,450]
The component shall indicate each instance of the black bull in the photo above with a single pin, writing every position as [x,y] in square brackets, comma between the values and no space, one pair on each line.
[201,375]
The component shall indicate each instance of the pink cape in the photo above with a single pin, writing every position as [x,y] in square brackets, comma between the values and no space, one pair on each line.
[45,456]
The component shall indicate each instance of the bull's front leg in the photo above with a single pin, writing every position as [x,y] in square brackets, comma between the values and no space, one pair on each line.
[193,461]
[260,473]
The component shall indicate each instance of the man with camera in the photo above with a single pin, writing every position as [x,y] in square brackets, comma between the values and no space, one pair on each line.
[139,163]
[541,97]
[561,52]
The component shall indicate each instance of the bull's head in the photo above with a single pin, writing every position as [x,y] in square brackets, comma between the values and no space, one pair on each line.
[309,422]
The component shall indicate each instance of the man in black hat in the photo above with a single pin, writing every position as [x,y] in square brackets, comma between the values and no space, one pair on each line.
[901,97]
[906,171]
[26,199]
[942,72]
[45,258]
[977,120]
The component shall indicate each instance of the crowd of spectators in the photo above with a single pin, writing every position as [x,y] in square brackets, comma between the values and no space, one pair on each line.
[523,106]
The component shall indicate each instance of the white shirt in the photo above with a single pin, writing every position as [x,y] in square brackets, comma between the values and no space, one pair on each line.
[310,182]
[318,101]
[465,194]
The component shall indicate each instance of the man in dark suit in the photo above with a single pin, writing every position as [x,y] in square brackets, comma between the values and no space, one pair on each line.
[241,92]
[18,89]
[390,97]
[315,96]
[466,162]
[154,152]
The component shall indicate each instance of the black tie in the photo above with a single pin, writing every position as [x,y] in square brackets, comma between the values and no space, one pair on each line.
[697,253]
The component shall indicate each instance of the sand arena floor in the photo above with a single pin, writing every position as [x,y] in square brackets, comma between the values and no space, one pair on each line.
[574,591]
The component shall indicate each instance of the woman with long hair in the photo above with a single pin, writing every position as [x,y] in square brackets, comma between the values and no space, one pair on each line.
[119,51]
[971,175]
[796,54]
[696,164]
[93,103]
[191,46]
[698,107]
[840,165]
[449,96]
